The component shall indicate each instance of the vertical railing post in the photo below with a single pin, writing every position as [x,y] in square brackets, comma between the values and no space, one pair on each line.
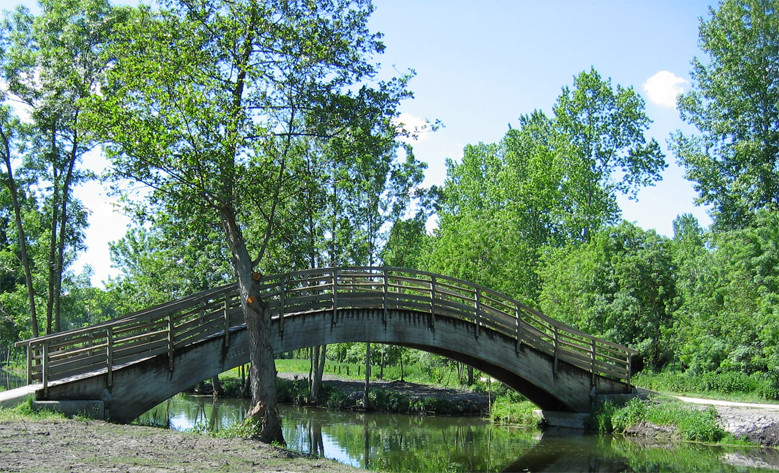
[592,360]
[477,319]
[45,368]
[518,346]
[556,347]
[29,363]
[109,356]
[226,317]
[282,302]
[629,366]
[170,342]
[334,315]
[432,301]
[384,295]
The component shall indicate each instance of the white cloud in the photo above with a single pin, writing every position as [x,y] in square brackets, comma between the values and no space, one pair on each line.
[663,88]
[412,129]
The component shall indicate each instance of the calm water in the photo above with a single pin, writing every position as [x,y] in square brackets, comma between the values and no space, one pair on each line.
[11,381]
[392,442]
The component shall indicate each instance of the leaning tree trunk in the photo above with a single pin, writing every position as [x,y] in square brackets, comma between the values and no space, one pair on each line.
[264,412]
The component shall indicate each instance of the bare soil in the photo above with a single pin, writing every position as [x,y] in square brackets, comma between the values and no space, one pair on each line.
[96,446]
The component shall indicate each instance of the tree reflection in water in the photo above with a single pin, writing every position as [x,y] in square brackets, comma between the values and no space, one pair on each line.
[393,442]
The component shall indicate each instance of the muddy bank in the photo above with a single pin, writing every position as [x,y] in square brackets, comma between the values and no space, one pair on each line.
[96,446]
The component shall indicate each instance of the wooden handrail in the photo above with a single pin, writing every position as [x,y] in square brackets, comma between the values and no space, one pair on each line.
[214,312]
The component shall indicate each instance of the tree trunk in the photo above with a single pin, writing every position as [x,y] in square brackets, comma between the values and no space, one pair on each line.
[264,413]
[217,386]
[365,401]
[11,185]
[316,373]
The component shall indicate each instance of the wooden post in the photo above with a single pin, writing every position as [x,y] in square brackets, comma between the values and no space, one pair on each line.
[29,363]
[170,342]
[477,319]
[45,369]
[226,315]
[334,315]
[555,343]
[282,301]
[629,367]
[109,356]
[518,346]
[592,360]
[432,301]
[386,288]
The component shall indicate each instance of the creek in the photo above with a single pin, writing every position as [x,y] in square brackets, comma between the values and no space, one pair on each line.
[396,442]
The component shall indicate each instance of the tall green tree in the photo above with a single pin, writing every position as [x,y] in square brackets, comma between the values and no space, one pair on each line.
[550,182]
[52,61]
[734,102]
[604,128]
[10,129]
[205,103]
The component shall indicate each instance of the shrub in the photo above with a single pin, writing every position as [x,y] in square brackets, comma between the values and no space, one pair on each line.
[629,415]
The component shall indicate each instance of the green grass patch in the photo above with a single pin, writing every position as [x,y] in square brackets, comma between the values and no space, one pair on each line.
[690,423]
[26,411]
[508,411]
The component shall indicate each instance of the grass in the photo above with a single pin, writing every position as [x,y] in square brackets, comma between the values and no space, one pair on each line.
[731,386]
[508,411]
[26,411]
[688,422]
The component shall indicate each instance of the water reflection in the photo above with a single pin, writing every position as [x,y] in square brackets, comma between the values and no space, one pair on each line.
[413,443]
[11,381]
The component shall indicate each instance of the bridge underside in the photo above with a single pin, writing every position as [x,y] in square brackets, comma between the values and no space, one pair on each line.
[552,386]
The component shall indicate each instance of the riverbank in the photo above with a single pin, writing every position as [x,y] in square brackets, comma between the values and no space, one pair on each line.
[398,396]
[60,445]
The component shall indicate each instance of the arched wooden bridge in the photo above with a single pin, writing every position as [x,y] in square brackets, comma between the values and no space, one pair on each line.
[130,364]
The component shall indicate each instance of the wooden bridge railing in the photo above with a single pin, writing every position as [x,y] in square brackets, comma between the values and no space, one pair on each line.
[168,327]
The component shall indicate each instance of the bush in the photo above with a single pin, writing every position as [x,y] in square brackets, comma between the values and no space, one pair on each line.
[629,415]
[601,418]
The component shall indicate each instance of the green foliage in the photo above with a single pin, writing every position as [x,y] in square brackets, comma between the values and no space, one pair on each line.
[728,293]
[506,410]
[619,285]
[732,102]
[550,182]
[632,413]
[756,386]
[601,419]
[690,423]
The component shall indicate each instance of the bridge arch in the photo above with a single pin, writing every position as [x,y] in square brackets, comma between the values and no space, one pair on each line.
[135,362]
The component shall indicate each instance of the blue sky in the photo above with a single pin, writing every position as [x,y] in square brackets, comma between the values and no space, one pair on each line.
[480,64]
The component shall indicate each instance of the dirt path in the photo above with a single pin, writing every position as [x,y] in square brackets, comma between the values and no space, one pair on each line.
[758,423]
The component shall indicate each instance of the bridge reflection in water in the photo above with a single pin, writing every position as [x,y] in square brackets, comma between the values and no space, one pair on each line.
[397,442]
[128,365]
